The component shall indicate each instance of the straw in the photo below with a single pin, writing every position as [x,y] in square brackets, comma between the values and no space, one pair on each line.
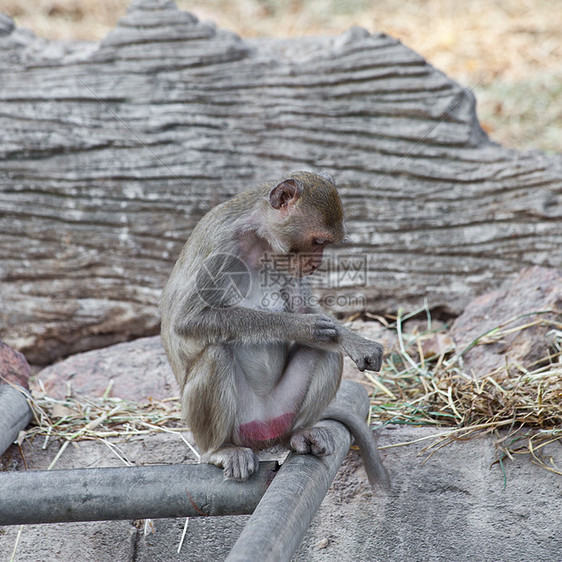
[525,402]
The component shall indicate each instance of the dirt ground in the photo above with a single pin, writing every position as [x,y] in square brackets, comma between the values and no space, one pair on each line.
[508,51]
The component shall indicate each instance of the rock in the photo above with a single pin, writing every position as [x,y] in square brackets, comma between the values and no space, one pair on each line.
[6,25]
[513,306]
[13,367]
[437,345]
[15,412]
[136,371]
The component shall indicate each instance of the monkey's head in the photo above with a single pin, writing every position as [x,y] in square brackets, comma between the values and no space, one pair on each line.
[306,215]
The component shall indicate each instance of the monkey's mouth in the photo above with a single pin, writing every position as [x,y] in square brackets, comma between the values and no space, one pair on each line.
[299,265]
[310,269]
[299,273]
[301,269]
[308,265]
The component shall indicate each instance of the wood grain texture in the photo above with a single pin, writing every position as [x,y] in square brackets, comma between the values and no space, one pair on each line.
[111,152]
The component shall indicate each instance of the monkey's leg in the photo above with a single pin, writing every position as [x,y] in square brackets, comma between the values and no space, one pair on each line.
[317,439]
[324,369]
[210,404]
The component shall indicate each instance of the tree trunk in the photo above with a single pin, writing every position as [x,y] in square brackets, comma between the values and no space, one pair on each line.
[111,152]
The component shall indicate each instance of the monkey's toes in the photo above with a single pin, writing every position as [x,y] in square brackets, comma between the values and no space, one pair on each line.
[317,441]
[299,444]
[240,464]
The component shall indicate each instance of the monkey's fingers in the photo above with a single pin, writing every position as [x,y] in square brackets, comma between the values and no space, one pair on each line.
[327,335]
[374,363]
[361,364]
[321,442]
[325,330]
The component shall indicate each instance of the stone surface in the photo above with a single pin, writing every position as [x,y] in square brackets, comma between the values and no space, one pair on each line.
[13,367]
[136,370]
[454,506]
[111,152]
[512,306]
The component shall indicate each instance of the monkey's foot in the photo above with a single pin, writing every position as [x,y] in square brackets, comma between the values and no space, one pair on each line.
[238,462]
[312,440]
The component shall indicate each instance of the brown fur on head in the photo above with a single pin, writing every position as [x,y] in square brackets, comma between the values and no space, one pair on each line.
[303,193]
[309,214]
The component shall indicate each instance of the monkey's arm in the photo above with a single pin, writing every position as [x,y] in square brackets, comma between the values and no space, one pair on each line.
[251,326]
[236,323]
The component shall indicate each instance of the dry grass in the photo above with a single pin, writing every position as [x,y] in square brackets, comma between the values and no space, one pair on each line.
[510,52]
[84,419]
[415,387]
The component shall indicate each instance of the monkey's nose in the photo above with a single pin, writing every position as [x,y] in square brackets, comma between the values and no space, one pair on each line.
[312,268]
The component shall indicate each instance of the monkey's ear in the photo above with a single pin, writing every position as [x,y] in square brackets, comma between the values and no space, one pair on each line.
[285,194]
[327,176]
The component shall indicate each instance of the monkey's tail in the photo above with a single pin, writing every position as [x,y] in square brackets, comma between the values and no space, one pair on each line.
[365,440]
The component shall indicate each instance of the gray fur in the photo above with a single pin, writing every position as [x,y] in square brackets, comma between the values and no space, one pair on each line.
[256,369]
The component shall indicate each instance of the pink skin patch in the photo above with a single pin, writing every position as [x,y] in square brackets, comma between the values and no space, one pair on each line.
[257,432]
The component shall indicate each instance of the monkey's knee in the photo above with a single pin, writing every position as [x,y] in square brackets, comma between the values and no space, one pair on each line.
[238,463]
[330,369]
[316,440]
[329,361]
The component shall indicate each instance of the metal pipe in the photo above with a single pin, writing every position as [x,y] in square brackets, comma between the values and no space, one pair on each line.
[273,532]
[99,494]
[15,414]
[283,515]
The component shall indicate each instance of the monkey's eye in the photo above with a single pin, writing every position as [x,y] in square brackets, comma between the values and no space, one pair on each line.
[319,241]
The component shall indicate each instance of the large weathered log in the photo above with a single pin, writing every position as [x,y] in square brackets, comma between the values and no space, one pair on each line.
[111,152]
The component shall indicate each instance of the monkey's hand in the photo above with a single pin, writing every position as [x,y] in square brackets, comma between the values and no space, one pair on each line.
[366,354]
[322,328]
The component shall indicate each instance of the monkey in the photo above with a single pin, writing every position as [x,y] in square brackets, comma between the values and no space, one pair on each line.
[258,362]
